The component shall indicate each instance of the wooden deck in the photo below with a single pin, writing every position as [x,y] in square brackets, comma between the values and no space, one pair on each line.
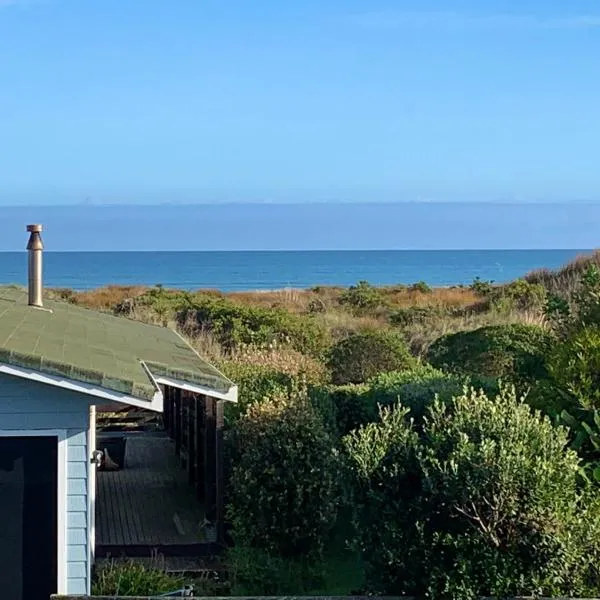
[149,504]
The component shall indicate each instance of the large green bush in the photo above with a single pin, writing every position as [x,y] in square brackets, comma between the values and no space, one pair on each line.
[344,407]
[364,355]
[353,405]
[483,502]
[415,389]
[235,324]
[515,352]
[284,483]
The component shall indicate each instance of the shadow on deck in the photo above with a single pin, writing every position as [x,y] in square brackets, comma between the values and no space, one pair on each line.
[149,505]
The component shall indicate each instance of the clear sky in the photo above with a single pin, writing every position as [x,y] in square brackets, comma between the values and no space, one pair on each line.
[146,101]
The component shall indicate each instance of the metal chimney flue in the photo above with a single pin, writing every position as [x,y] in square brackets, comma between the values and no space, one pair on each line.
[35,247]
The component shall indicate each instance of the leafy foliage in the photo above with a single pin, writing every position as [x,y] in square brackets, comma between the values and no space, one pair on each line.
[284,481]
[364,355]
[422,287]
[255,571]
[483,502]
[353,405]
[580,308]
[255,384]
[509,351]
[574,366]
[235,324]
[362,297]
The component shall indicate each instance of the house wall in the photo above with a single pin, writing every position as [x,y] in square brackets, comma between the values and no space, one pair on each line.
[28,405]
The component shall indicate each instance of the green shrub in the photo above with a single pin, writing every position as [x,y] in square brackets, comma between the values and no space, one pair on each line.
[402,317]
[364,355]
[515,352]
[421,286]
[483,502]
[580,307]
[482,287]
[235,325]
[353,405]
[344,407]
[361,297]
[130,578]
[415,390]
[284,482]
[574,366]
[521,295]
[254,571]
[255,383]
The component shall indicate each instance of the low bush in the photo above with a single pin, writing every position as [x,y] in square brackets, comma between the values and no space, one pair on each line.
[235,325]
[485,501]
[255,384]
[344,407]
[364,355]
[362,297]
[130,578]
[351,406]
[256,572]
[284,482]
[420,286]
[574,366]
[417,314]
[415,390]
[515,352]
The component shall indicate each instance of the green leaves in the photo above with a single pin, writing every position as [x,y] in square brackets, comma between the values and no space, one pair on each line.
[483,500]
[284,483]
[364,355]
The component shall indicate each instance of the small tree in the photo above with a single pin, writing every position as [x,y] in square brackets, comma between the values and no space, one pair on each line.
[364,355]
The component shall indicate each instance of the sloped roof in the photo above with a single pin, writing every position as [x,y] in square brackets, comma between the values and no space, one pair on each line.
[97,348]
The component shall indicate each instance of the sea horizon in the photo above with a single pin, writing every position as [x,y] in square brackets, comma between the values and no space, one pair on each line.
[253,270]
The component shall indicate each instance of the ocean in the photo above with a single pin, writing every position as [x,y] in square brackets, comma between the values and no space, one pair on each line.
[266,270]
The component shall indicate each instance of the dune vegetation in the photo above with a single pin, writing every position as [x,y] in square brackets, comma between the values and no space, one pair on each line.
[405,440]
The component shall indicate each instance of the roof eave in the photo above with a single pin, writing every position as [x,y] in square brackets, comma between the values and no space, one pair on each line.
[230,395]
[156,404]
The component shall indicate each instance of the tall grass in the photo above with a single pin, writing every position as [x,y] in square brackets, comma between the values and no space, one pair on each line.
[564,281]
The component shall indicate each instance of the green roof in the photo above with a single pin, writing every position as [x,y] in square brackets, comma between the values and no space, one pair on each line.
[97,348]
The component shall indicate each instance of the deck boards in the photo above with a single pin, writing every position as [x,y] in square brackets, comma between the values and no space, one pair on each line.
[140,504]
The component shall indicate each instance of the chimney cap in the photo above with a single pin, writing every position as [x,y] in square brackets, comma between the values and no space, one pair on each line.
[34,228]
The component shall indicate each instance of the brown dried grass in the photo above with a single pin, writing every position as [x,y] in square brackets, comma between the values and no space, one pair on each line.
[282,359]
[104,298]
[564,281]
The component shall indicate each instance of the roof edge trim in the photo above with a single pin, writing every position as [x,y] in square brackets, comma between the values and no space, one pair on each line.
[231,395]
[156,404]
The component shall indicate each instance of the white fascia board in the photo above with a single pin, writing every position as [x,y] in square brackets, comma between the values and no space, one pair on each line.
[156,404]
[231,395]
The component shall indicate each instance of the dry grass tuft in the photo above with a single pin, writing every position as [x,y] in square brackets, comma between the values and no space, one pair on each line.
[104,298]
[282,359]
[564,281]
[420,335]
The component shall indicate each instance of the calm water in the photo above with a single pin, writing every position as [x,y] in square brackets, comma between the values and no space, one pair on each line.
[271,270]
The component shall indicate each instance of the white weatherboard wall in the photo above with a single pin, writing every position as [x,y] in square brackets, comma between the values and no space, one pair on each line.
[27,406]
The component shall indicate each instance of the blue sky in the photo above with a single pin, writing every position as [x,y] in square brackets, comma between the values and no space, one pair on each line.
[149,101]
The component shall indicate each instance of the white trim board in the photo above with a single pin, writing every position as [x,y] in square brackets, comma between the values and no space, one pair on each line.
[231,394]
[61,478]
[156,404]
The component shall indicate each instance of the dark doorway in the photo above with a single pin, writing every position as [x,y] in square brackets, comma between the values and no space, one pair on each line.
[28,505]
